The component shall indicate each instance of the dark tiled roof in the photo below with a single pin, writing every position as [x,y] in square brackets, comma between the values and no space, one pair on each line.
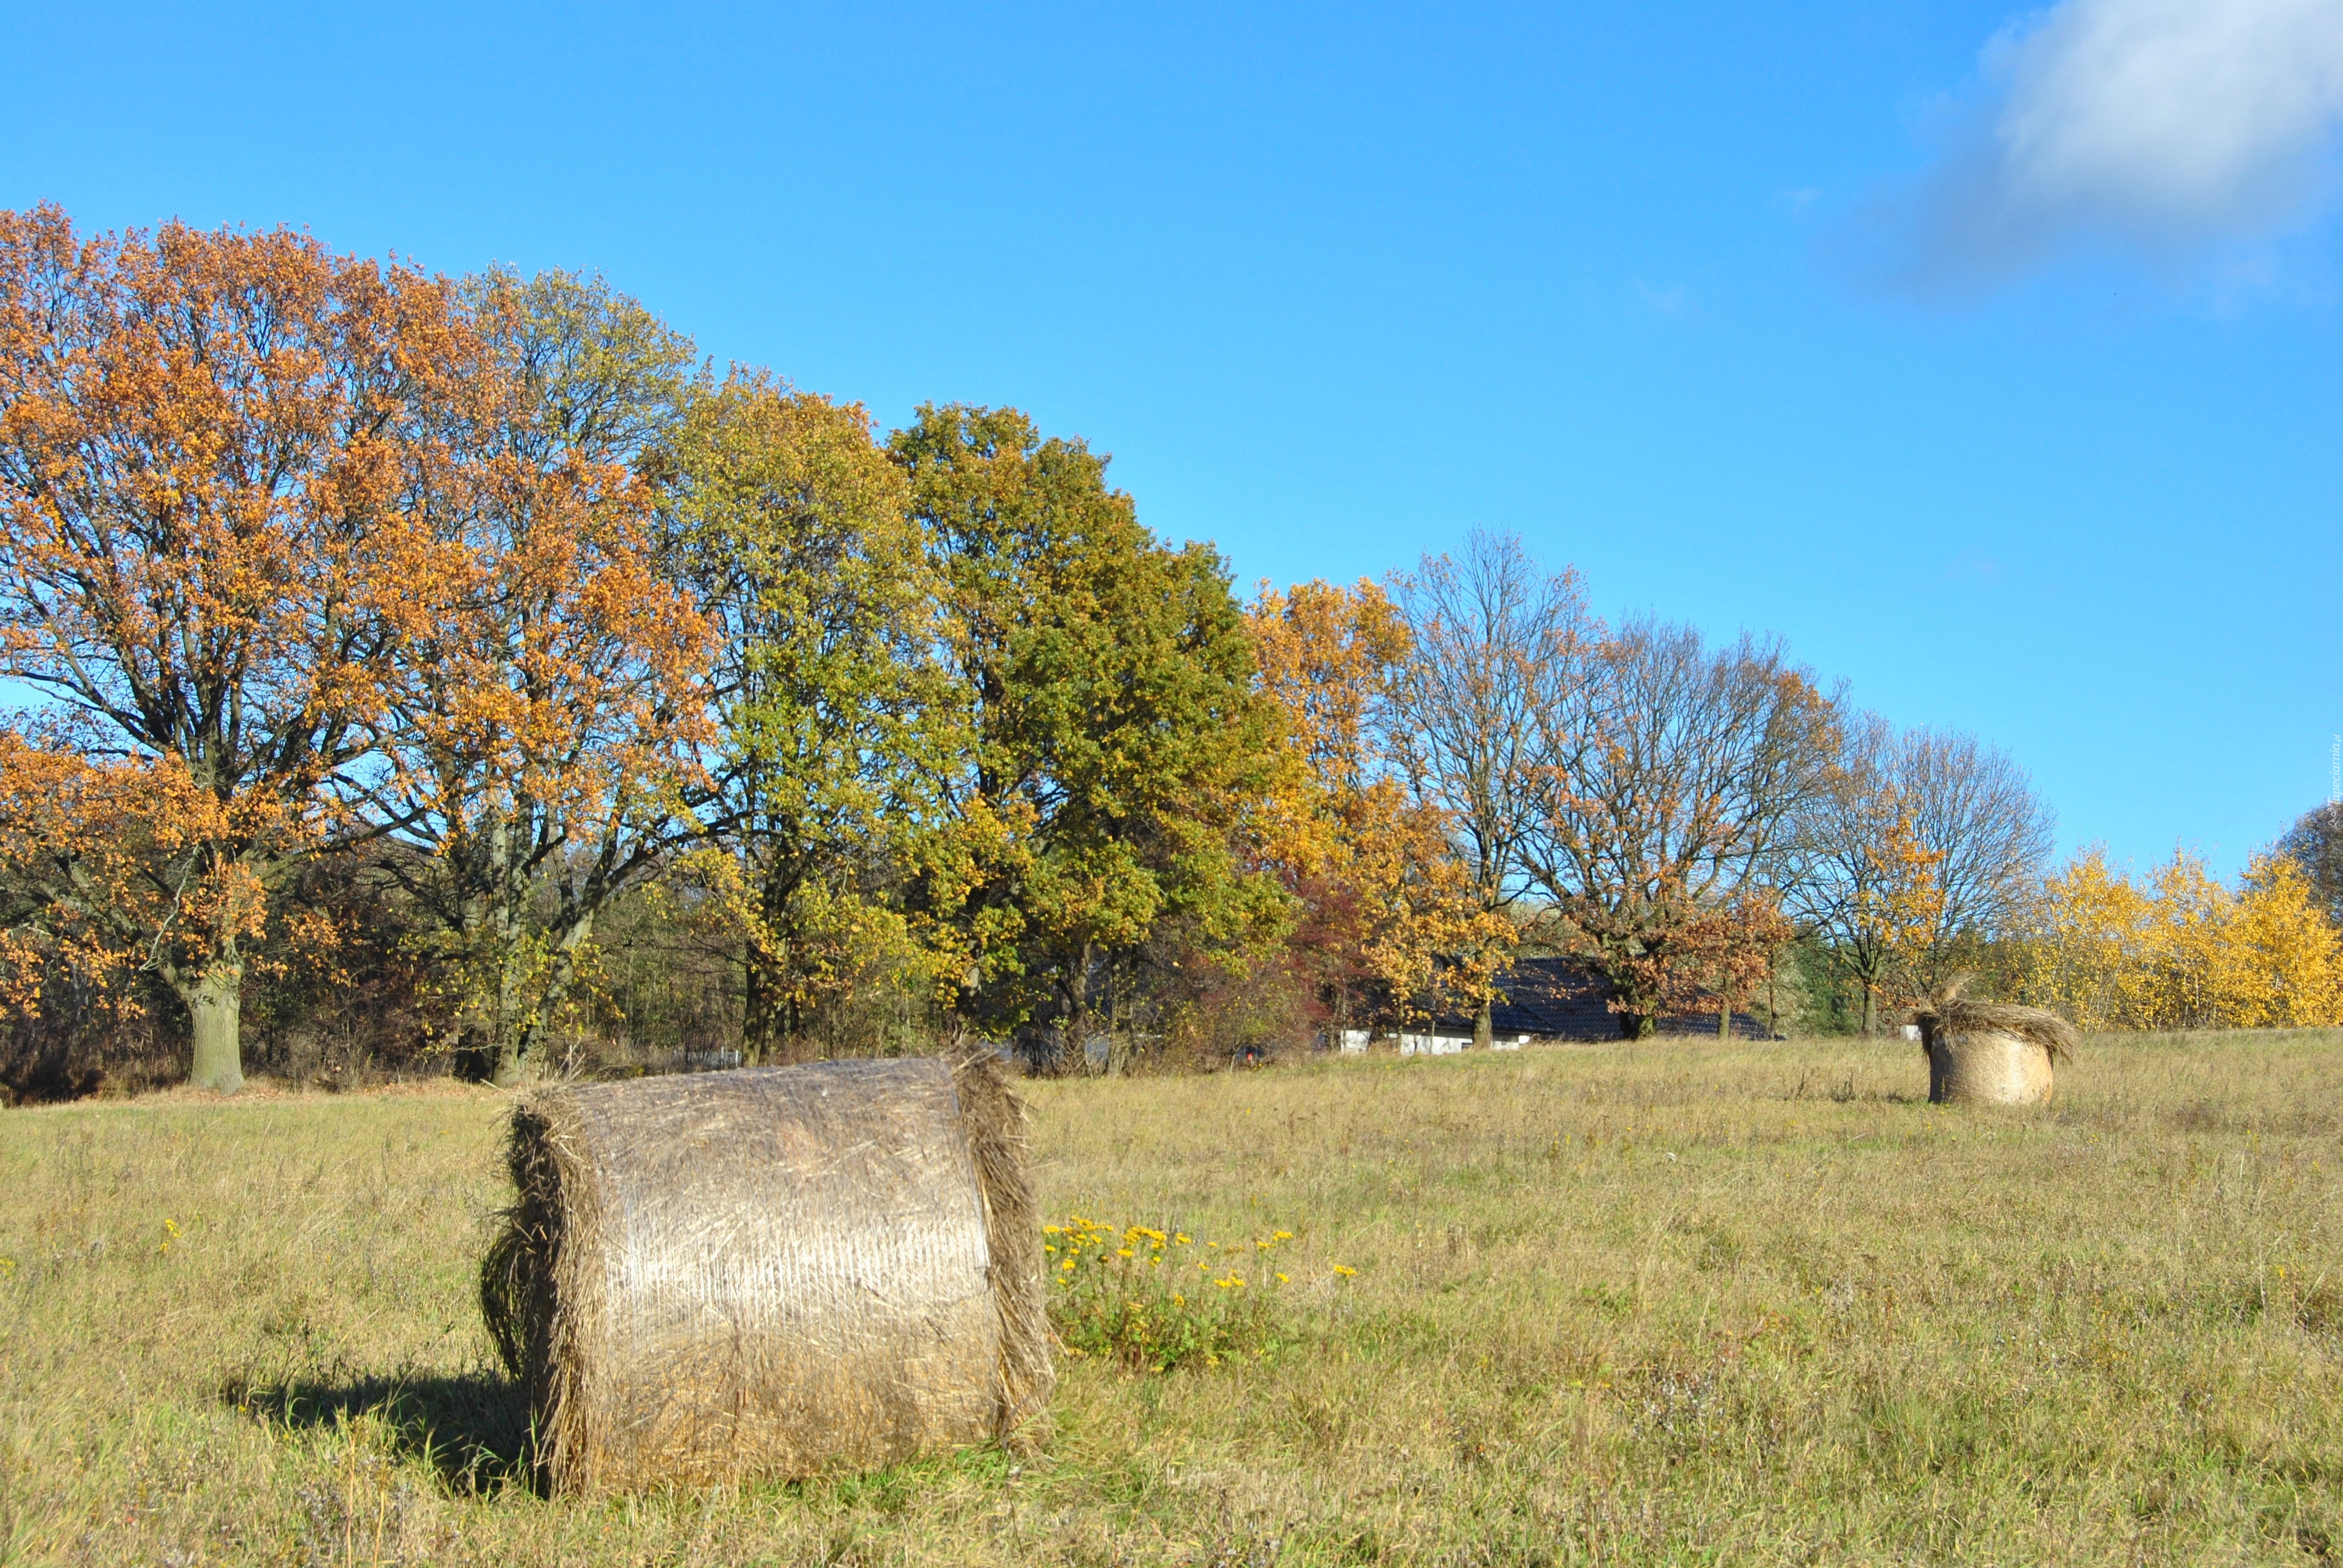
[1561,998]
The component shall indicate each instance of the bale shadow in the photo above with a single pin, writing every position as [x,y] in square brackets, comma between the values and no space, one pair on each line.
[473,1428]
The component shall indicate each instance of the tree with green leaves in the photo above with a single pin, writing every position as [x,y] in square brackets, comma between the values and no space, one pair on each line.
[1117,738]
[839,720]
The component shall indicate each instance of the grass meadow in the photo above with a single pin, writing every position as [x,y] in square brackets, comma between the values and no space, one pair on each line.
[1679,1302]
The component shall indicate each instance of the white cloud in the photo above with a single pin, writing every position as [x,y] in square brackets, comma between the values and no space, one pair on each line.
[2163,124]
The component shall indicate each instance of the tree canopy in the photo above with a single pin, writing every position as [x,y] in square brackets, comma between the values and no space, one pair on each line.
[215,451]
[467,653]
[1115,734]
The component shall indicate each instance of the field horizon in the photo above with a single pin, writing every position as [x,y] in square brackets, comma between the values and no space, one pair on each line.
[1654,1301]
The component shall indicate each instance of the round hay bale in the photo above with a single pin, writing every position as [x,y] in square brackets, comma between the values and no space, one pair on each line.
[1990,1053]
[770,1272]
[1973,1068]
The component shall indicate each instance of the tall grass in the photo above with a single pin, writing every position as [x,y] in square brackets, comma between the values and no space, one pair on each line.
[1658,1303]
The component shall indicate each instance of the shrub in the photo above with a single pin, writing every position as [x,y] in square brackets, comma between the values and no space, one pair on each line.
[1153,1300]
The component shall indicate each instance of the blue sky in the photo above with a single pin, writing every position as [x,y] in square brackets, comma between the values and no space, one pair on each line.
[1976,350]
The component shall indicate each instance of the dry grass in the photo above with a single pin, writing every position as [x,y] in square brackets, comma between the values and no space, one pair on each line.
[1674,1302]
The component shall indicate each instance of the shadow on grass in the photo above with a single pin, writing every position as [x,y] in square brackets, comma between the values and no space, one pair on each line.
[473,1428]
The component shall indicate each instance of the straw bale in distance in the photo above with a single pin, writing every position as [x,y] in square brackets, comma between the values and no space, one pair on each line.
[772,1272]
[1993,1054]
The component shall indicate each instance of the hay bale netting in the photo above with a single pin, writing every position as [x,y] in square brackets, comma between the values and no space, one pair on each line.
[1990,1053]
[772,1272]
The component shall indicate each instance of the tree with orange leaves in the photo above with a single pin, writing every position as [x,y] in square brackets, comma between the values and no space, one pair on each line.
[1921,843]
[1697,953]
[106,867]
[546,705]
[1383,901]
[210,445]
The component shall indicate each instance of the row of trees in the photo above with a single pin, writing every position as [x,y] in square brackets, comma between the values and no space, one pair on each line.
[464,661]
[1675,813]
[2176,949]
[481,590]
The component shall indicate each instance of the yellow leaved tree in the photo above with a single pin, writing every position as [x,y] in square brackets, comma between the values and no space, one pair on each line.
[2084,957]
[2284,961]
[2179,950]
[1388,919]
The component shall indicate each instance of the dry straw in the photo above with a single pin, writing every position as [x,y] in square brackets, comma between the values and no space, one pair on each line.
[772,1272]
[1990,1052]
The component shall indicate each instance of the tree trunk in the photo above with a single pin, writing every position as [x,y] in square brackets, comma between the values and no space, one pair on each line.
[1723,1017]
[215,1010]
[1484,1024]
[760,1017]
[475,1056]
[1121,1047]
[1870,1008]
[526,1018]
[768,1011]
[1077,1015]
[511,1066]
[510,1051]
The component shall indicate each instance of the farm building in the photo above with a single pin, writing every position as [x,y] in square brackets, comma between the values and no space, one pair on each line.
[1552,999]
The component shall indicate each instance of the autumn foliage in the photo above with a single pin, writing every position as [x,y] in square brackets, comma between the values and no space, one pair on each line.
[1389,924]
[471,647]
[284,549]
[213,452]
[2176,949]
